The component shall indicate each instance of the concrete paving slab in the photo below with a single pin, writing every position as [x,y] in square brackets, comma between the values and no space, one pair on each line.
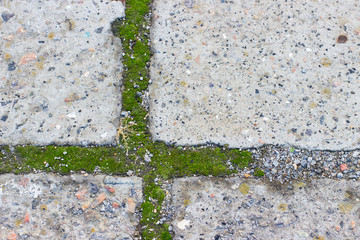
[48,206]
[60,72]
[234,208]
[248,73]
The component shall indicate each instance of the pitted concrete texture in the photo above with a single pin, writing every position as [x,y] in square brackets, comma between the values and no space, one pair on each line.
[60,72]
[248,73]
[47,206]
[233,208]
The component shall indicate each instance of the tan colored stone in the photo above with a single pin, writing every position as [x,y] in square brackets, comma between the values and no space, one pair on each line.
[86,205]
[131,205]
[27,58]
[9,38]
[81,194]
[99,200]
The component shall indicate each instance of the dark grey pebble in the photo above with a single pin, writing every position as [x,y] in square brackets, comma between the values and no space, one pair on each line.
[303,163]
[11,66]
[189,3]
[94,188]
[99,30]
[6,16]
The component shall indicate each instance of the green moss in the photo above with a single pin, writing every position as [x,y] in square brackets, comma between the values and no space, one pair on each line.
[258,172]
[4,150]
[241,158]
[67,159]
[178,162]
[165,235]
[148,213]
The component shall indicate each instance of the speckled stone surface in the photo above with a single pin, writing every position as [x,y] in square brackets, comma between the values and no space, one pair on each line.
[234,208]
[60,72]
[248,73]
[47,206]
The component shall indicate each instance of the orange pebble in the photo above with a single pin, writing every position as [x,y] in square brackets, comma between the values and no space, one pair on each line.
[27,218]
[99,199]
[197,59]
[110,189]
[81,194]
[352,225]
[11,236]
[343,167]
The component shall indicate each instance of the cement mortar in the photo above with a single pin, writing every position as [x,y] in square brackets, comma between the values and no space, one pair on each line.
[236,208]
[47,206]
[249,73]
[60,72]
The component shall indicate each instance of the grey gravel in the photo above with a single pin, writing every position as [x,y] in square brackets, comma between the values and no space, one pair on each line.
[284,164]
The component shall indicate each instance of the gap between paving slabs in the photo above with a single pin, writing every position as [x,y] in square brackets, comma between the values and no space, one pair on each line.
[135,154]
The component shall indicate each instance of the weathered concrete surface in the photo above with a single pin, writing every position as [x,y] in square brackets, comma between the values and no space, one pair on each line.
[234,208]
[247,73]
[47,206]
[60,72]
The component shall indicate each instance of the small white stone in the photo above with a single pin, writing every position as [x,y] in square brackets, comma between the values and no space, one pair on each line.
[183,224]
[245,131]
[235,186]
[71,115]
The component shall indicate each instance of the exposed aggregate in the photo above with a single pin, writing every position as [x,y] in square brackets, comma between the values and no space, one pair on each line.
[249,73]
[60,71]
[237,208]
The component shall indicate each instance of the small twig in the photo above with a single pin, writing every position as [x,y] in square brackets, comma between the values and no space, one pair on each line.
[124,130]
